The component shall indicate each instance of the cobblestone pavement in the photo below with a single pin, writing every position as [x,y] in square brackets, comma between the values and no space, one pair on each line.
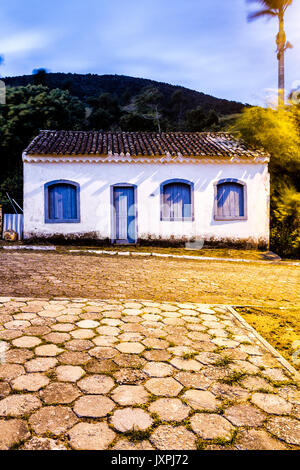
[87,374]
[51,275]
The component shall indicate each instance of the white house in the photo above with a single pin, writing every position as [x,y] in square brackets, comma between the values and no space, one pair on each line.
[135,187]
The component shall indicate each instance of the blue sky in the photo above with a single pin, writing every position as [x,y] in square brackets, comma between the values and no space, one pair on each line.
[204,45]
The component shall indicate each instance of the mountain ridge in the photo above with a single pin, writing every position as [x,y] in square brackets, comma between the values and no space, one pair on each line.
[84,86]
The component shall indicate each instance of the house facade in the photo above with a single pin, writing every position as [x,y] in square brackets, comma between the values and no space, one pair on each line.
[133,187]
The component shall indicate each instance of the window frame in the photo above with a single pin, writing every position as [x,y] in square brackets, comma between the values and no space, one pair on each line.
[177,219]
[230,218]
[46,200]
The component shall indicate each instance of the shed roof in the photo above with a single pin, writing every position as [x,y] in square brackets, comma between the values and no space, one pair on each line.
[142,144]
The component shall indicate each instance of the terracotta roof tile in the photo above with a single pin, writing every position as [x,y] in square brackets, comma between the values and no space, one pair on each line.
[197,144]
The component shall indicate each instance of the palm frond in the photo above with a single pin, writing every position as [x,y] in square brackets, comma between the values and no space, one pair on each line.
[275,5]
[258,14]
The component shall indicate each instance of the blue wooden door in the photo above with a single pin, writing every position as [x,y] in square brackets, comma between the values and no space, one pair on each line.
[125,223]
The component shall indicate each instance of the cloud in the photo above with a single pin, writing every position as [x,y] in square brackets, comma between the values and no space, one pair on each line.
[25,41]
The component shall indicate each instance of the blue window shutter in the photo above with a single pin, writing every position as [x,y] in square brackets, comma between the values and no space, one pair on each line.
[230,200]
[62,202]
[176,201]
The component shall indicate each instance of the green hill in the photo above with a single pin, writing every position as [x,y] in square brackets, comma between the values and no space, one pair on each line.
[125,88]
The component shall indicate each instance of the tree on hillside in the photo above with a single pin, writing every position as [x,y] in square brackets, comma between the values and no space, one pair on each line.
[29,109]
[178,104]
[39,76]
[277,9]
[105,112]
[196,120]
[148,105]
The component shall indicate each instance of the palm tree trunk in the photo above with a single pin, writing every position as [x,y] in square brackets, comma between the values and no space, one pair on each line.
[281,49]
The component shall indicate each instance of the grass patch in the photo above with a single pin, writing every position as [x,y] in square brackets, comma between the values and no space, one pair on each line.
[279,326]
[234,378]
[223,362]
[190,355]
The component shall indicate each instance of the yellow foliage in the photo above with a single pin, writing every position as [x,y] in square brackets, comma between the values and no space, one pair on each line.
[276,131]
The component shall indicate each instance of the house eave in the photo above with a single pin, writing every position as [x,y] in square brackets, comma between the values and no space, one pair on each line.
[155,159]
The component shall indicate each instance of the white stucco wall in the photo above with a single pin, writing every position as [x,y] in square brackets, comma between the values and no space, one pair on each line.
[95,181]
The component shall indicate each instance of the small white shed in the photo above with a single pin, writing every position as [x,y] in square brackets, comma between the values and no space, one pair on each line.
[140,187]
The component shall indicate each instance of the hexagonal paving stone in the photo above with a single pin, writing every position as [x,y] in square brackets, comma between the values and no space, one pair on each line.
[231,392]
[93,406]
[156,343]
[130,348]
[49,350]
[193,380]
[133,305]
[201,400]
[18,356]
[244,415]
[30,382]
[87,436]
[69,373]
[211,426]
[130,377]
[126,395]
[10,334]
[74,358]
[256,383]
[12,432]
[59,392]
[271,403]
[252,350]
[57,337]
[170,409]
[19,405]
[63,327]
[257,439]
[128,337]
[181,350]
[83,334]
[17,325]
[169,438]
[41,364]
[10,371]
[290,393]
[96,384]
[124,444]
[88,324]
[78,345]
[276,374]
[129,419]
[101,353]
[52,419]
[43,443]
[157,355]
[26,342]
[186,364]
[158,369]
[4,389]
[131,312]
[108,330]
[105,340]
[94,366]
[167,387]
[285,428]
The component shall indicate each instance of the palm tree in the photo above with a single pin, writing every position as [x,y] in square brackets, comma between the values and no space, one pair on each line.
[276,8]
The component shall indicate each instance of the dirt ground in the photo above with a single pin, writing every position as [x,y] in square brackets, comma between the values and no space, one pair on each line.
[105,277]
